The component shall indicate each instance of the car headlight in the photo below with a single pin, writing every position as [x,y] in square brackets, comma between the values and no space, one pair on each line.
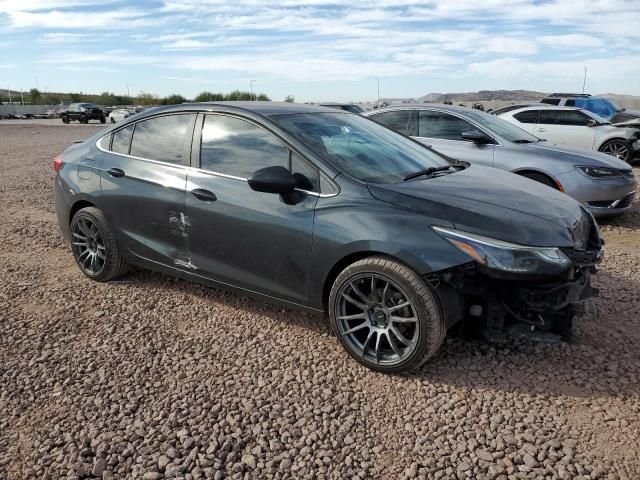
[598,172]
[504,256]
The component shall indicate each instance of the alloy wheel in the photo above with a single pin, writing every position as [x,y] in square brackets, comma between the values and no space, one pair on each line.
[88,246]
[617,149]
[377,319]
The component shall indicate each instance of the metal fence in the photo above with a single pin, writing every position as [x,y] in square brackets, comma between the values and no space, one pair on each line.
[18,110]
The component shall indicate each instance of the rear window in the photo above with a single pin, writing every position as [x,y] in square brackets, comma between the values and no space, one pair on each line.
[402,121]
[530,116]
[162,138]
[563,117]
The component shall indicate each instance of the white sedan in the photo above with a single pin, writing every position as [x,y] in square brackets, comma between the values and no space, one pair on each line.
[578,128]
[119,114]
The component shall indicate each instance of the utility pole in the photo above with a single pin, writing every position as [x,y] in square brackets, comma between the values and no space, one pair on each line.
[251,88]
[584,80]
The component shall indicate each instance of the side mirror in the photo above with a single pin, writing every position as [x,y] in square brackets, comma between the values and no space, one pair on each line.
[476,137]
[591,123]
[272,180]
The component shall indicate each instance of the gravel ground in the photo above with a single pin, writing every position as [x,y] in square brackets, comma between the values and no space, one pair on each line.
[152,377]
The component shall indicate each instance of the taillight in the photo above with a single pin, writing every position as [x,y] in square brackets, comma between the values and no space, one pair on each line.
[57,163]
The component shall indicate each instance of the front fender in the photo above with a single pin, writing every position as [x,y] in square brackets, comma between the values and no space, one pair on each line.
[376,228]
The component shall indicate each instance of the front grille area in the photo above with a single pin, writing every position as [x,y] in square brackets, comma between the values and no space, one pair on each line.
[621,203]
[583,258]
[626,201]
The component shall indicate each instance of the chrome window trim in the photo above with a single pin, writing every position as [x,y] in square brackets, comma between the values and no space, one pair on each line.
[208,172]
[455,114]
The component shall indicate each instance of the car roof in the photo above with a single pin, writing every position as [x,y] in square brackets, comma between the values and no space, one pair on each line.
[413,106]
[265,108]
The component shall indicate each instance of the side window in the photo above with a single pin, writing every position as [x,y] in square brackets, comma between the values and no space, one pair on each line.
[529,116]
[402,121]
[161,138]
[236,147]
[570,102]
[122,140]
[306,175]
[563,117]
[551,101]
[442,125]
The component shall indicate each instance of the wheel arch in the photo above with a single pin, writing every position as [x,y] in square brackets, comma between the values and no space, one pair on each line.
[607,140]
[79,205]
[343,263]
[524,171]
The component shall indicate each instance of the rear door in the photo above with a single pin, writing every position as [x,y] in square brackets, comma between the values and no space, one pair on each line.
[143,179]
[253,240]
[443,132]
[569,127]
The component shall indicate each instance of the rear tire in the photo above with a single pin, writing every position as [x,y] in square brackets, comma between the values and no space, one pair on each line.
[385,315]
[94,246]
[65,119]
[540,178]
[618,148]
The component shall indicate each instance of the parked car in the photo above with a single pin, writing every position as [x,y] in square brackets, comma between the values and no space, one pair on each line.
[605,185]
[578,128]
[348,107]
[119,114]
[328,211]
[515,106]
[603,107]
[83,113]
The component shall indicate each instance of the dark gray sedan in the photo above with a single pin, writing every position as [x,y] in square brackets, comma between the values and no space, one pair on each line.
[602,183]
[328,211]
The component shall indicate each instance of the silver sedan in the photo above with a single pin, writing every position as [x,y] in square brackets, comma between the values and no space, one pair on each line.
[604,184]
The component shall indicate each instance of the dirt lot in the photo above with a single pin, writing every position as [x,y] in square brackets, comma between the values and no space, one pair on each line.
[152,378]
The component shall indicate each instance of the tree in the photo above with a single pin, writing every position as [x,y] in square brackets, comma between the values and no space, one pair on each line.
[173,99]
[147,99]
[289,99]
[76,97]
[209,97]
[35,95]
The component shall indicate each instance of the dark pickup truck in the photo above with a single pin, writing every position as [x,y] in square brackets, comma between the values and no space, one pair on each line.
[83,112]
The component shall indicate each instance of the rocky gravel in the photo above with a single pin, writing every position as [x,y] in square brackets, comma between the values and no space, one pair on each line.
[152,377]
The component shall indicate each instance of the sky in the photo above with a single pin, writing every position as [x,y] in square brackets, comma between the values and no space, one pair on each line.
[320,50]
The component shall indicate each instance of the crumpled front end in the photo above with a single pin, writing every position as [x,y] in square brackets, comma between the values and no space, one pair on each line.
[539,308]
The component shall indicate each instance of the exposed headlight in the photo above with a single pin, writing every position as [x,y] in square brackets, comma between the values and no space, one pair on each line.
[505,256]
[598,172]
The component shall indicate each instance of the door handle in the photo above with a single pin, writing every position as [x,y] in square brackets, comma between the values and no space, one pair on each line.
[204,195]
[542,130]
[116,172]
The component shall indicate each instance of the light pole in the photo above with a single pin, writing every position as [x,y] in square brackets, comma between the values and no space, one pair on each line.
[9,91]
[22,97]
[378,101]
[584,80]
[128,85]
[251,88]
[46,93]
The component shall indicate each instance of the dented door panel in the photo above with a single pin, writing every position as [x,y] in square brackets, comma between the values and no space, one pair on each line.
[146,205]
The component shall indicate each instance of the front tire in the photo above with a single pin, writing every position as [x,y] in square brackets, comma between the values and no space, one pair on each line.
[385,315]
[103,119]
[65,119]
[618,148]
[94,246]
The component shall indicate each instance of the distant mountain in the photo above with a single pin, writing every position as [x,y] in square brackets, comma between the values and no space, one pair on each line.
[483,96]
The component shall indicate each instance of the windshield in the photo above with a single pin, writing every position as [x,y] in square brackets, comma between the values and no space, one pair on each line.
[502,128]
[359,146]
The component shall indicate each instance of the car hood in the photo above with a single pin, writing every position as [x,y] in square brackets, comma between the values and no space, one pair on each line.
[574,156]
[632,116]
[491,202]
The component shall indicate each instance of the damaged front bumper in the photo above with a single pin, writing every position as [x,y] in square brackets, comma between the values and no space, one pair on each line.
[541,310]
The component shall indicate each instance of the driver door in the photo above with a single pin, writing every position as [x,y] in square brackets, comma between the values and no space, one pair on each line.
[443,132]
[240,237]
